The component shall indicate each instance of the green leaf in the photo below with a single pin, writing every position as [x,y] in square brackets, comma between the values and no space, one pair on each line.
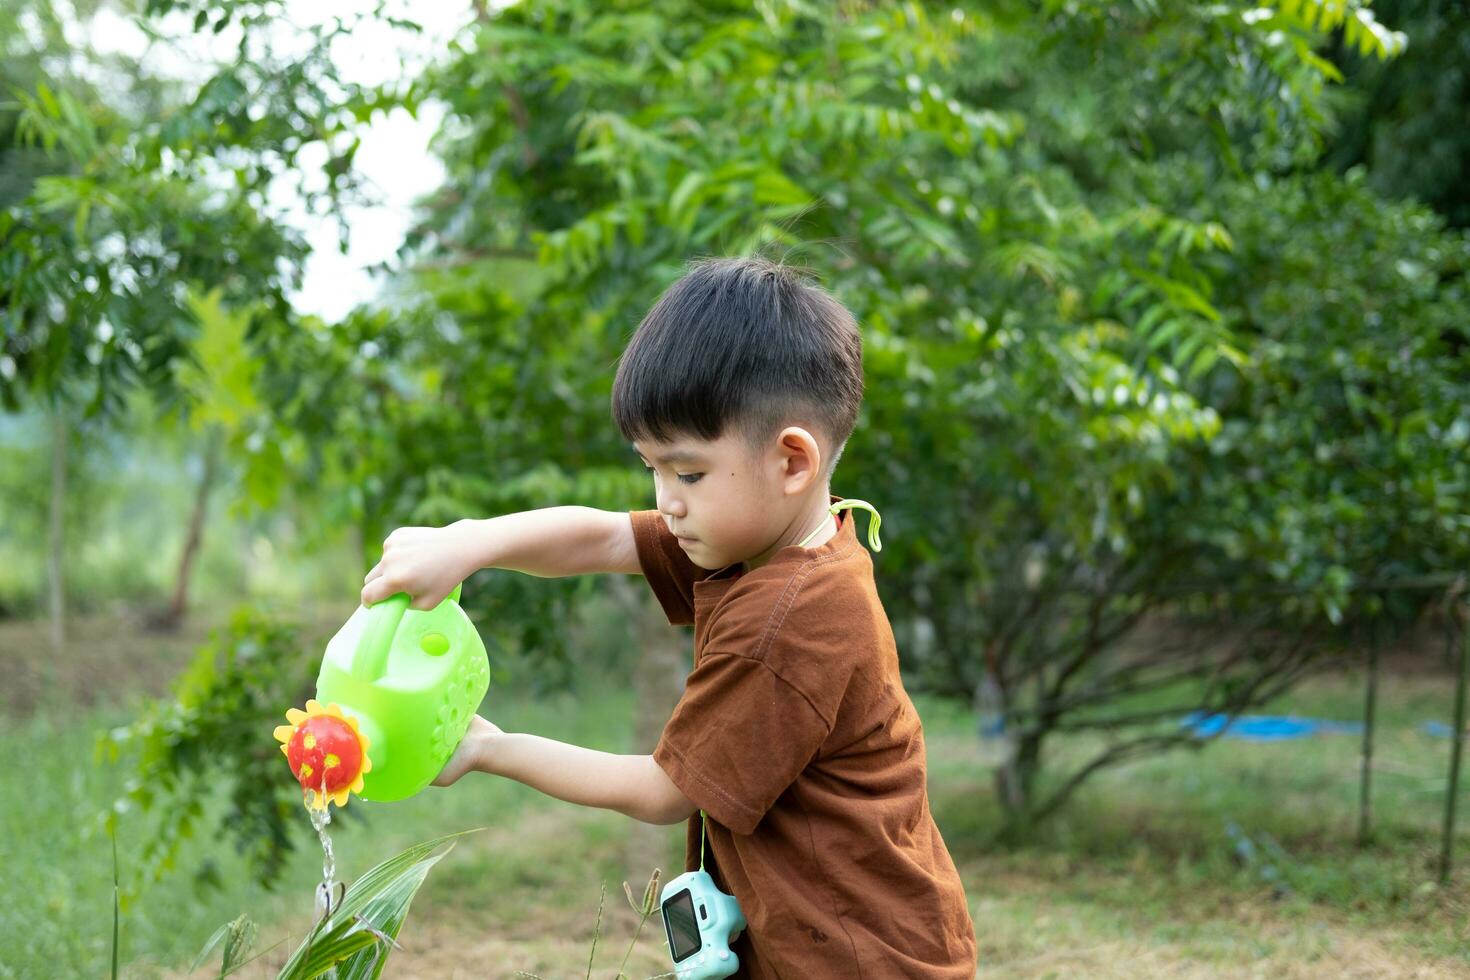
[381,897]
[1166,333]
[774,187]
[1203,361]
[683,195]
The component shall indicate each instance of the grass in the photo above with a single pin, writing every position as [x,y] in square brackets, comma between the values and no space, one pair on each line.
[1238,860]
[1147,862]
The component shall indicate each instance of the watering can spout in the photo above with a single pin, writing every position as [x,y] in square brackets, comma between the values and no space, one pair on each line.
[327,750]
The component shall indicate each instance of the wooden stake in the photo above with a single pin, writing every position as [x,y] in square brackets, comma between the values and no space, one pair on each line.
[1457,742]
[1370,717]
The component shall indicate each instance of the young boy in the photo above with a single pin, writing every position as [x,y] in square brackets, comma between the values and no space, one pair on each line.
[794,733]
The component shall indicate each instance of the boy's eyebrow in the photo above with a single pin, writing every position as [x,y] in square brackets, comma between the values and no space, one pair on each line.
[676,456]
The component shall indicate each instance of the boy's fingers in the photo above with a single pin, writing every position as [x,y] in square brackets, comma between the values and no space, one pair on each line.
[374,572]
[426,602]
[376,591]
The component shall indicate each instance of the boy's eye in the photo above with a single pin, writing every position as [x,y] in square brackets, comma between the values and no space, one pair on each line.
[689,478]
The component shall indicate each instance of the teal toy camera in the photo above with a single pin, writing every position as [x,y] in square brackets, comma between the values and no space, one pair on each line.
[701,921]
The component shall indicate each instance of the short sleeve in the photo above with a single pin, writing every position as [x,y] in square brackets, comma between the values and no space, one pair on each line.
[668,570]
[739,736]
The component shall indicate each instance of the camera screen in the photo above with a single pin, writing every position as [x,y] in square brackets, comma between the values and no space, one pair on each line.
[680,925]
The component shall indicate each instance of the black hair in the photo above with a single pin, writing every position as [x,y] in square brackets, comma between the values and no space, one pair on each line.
[742,343]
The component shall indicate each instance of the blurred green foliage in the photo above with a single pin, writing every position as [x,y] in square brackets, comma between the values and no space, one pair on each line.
[1405,119]
[205,739]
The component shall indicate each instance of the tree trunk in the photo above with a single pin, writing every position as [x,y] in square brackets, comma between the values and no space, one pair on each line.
[172,619]
[1015,782]
[245,541]
[57,529]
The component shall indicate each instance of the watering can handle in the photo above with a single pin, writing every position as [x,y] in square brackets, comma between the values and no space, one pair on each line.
[371,657]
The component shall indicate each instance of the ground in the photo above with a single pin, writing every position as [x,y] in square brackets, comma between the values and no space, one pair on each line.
[1145,874]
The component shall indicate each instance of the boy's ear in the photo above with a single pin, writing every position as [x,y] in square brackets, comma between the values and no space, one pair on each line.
[801,459]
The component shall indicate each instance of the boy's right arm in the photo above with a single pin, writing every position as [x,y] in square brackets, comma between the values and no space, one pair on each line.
[428,562]
[557,541]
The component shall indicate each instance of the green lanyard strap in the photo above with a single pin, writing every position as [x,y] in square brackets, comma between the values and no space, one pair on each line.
[877,519]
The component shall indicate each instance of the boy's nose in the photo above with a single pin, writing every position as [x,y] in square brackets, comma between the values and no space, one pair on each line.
[672,506]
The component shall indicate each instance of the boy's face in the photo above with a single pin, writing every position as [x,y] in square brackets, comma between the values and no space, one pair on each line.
[727,502]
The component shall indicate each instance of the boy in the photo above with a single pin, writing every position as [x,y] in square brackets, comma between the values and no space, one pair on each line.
[794,733]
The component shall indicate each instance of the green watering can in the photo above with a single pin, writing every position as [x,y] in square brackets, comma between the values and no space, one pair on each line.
[394,697]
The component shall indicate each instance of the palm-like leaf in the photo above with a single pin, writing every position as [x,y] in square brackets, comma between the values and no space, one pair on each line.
[353,936]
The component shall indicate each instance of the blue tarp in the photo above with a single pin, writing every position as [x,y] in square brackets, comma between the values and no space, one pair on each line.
[1265,728]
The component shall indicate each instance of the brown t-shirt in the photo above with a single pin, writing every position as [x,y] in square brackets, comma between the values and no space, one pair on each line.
[795,735]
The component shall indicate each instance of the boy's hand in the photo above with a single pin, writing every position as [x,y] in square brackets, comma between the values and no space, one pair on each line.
[425,562]
[470,753]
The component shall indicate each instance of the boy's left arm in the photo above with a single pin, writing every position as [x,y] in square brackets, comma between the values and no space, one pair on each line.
[634,785]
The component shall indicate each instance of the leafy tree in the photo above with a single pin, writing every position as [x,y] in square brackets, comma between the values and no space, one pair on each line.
[119,210]
[1014,210]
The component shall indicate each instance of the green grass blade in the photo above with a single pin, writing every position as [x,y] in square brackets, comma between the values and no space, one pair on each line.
[210,944]
[116,904]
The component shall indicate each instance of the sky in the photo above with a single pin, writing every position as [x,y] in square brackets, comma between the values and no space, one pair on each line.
[394,158]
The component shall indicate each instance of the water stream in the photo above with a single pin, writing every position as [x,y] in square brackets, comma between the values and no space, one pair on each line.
[329,892]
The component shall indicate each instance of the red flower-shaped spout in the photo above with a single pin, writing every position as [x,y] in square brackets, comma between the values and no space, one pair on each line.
[326,751]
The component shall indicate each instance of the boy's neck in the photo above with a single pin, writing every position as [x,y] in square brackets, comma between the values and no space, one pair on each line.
[813,519]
